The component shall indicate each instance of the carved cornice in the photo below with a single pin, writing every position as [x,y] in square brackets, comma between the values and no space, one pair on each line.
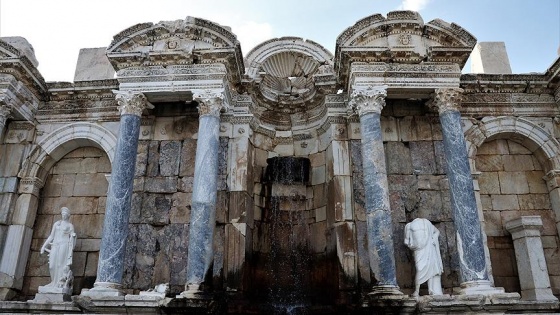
[370,99]
[131,103]
[14,63]
[210,102]
[446,100]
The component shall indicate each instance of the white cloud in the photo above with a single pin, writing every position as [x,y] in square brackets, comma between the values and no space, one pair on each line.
[250,34]
[414,5]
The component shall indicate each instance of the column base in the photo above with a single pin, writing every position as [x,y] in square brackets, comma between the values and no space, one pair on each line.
[386,292]
[483,287]
[103,289]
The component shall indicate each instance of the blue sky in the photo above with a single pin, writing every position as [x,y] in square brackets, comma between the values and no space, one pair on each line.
[59,28]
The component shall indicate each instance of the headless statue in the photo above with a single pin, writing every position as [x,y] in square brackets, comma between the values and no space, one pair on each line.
[421,236]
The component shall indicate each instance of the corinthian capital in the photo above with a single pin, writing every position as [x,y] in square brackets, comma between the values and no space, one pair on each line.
[210,102]
[131,103]
[446,100]
[368,99]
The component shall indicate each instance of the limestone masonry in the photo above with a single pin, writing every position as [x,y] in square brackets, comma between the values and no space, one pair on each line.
[204,180]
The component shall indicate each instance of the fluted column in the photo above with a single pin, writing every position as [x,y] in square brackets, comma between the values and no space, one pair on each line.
[205,190]
[115,226]
[368,102]
[5,112]
[472,261]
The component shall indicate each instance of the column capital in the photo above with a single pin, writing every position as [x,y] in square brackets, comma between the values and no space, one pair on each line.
[210,102]
[368,99]
[446,100]
[30,185]
[131,103]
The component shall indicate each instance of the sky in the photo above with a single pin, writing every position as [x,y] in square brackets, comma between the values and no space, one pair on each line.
[57,29]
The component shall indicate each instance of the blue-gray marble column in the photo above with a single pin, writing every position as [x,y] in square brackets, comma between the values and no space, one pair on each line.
[368,102]
[115,225]
[463,202]
[205,189]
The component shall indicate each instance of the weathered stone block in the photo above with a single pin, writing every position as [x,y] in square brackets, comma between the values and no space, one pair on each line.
[489,183]
[489,163]
[317,237]
[186,184]
[514,163]
[181,208]
[169,158]
[493,223]
[68,183]
[398,159]
[88,225]
[536,184]
[423,158]
[513,183]
[161,184]
[356,156]
[188,155]
[152,168]
[90,185]
[156,208]
[505,202]
[496,147]
[141,158]
[441,162]
[534,201]
[91,264]
[318,175]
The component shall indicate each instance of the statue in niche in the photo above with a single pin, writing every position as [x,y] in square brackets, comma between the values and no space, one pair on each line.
[421,236]
[60,245]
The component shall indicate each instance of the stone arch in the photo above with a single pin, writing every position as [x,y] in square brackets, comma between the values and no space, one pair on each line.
[501,205]
[545,147]
[63,140]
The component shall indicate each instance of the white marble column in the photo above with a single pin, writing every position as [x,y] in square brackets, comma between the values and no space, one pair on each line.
[470,246]
[368,103]
[115,226]
[205,190]
[529,254]
[5,112]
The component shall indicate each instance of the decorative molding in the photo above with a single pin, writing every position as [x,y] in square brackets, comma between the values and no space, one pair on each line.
[368,99]
[131,103]
[446,100]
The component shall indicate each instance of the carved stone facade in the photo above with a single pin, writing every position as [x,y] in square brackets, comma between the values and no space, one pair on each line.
[282,179]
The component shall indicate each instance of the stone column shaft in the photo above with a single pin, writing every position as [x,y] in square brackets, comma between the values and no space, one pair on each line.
[205,190]
[368,103]
[115,225]
[463,202]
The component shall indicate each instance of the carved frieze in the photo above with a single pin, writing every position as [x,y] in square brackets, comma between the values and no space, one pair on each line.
[368,99]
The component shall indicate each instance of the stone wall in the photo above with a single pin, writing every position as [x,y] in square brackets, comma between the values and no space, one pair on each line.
[78,182]
[418,188]
[511,185]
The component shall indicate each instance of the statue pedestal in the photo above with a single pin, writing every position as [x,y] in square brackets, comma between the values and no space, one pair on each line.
[48,294]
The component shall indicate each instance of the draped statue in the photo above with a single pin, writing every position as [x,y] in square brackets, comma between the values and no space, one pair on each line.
[421,236]
[60,245]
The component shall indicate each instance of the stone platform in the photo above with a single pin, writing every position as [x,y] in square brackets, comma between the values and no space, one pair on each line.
[504,303]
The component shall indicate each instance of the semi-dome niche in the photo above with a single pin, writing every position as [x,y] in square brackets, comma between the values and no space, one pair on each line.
[288,75]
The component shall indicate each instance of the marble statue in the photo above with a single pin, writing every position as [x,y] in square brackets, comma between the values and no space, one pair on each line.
[60,245]
[421,236]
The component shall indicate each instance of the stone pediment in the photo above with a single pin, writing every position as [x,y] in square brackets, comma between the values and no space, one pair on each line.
[180,42]
[402,37]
